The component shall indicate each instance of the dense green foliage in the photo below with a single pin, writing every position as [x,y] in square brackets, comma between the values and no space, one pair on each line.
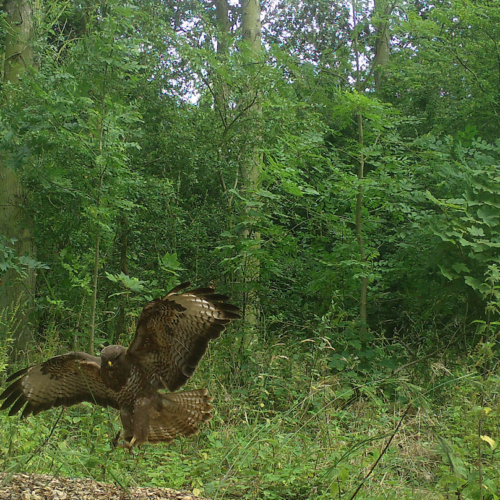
[129,137]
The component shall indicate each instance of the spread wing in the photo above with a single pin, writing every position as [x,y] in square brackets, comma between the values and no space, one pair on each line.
[173,333]
[60,381]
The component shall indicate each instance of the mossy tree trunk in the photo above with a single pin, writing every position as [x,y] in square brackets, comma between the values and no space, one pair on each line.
[16,291]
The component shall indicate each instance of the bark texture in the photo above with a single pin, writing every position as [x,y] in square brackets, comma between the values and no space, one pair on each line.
[16,292]
[382,11]
[250,167]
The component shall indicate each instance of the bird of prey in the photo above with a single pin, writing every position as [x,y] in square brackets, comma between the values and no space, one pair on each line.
[172,335]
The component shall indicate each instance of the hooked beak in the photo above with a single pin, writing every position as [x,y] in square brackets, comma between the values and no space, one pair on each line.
[110,363]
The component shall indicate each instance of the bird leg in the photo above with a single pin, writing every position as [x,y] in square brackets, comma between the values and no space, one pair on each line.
[141,421]
[135,425]
[128,430]
[116,441]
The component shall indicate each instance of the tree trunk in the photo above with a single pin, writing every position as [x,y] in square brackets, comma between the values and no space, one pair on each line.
[359,197]
[120,320]
[250,168]
[97,260]
[18,51]
[359,228]
[251,25]
[222,15]
[17,292]
[381,12]
[221,91]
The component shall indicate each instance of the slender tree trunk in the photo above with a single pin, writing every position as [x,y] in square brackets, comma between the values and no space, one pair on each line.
[120,321]
[16,292]
[359,197]
[381,12]
[221,91]
[97,229]
[94,289]
[250,168]
[359,228]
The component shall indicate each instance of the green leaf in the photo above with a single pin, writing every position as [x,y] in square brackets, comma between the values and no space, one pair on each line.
[460,268]
[292,188]
[489,215]
[448,273]
[473,282]
[128,282]
[169,262]
[267,194]
[475,231]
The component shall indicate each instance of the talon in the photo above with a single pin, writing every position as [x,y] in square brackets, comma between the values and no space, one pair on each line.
[128,445]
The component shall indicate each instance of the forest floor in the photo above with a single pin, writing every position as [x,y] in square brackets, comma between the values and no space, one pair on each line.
[46,487]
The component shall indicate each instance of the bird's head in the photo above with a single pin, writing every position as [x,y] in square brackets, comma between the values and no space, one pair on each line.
[112,356]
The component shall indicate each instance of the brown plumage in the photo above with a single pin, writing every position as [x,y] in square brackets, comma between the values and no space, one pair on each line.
[172,335]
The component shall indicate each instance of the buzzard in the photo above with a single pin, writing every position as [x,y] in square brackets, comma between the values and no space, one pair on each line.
[172,335]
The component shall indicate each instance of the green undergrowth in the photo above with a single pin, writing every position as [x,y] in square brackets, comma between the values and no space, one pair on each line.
[285,427]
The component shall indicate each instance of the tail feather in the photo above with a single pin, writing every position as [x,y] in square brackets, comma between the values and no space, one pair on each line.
[179,414]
